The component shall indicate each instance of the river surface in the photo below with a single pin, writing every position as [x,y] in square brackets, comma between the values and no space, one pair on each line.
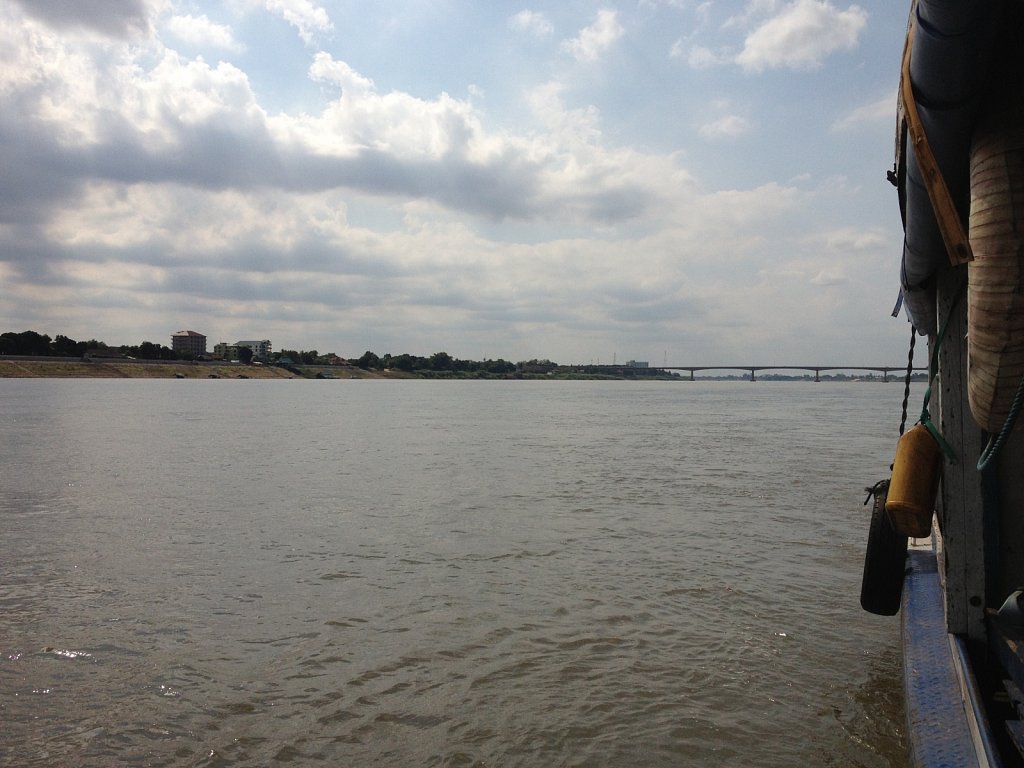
[442,573]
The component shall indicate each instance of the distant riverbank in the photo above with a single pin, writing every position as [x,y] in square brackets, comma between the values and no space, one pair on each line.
[117,368]
[132,369]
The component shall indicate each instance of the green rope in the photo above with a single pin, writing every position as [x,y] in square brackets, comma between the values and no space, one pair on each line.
[995,442]
[933,370]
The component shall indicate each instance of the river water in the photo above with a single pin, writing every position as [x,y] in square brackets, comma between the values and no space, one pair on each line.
[442,573]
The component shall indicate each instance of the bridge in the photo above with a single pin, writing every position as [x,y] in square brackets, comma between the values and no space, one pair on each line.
[885,370]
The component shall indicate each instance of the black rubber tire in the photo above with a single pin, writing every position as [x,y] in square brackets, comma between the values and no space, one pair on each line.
[885,564]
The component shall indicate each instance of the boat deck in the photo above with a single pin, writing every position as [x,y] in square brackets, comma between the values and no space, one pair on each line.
[946,725]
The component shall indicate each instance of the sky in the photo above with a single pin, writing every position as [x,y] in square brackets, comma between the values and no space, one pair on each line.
[676,181]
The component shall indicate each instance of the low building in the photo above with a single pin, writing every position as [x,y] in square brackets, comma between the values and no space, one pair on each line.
[260,349]
[224,351]
[189,342]
[102,352]
[638,364]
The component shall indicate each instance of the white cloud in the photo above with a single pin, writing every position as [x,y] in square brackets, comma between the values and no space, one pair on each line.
[549,109]
[752,10]
[532,22]
[200,31]
[154,116]
[669,3]
[728,126]
[594,40]
[141,217]
[179,95]
[747,210]
[880,111]
[399,125]
[850,240]
[802,36]
[828,278]
[309,19]
[327,69]
[699,57]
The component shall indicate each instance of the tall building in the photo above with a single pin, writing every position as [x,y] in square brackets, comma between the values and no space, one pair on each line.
[189,341]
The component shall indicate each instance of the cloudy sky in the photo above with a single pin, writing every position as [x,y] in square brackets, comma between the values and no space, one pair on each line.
[683,180]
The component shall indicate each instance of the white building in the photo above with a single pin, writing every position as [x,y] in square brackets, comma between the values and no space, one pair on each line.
[260,349]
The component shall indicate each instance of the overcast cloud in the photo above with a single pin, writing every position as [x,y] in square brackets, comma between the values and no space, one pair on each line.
[698,182]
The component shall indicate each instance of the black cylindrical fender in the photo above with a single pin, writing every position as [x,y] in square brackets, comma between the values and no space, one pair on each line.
[885,561]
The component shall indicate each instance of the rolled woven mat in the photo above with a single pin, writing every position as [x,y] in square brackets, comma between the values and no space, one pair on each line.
[995,293]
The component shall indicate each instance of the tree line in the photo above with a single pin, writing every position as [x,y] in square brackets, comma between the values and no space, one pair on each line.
[439,362]
[41,345]
[34,344]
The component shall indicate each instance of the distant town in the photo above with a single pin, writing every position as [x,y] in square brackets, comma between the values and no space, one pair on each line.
[188,346]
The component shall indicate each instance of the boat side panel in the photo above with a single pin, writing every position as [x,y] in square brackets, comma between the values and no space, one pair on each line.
[962,517]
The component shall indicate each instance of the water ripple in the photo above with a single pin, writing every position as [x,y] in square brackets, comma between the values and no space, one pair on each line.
[463,576]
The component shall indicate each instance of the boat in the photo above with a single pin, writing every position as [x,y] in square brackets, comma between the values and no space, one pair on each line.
[956,580]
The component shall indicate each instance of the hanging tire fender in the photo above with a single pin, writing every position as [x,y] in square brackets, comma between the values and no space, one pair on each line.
[885,560]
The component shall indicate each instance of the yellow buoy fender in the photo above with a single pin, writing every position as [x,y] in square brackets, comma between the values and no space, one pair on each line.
[914,483]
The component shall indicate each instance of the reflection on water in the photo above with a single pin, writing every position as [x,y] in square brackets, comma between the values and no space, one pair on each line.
[442,573]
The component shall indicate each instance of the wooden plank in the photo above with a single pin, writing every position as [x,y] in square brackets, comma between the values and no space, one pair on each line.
[950,227]
[961,515]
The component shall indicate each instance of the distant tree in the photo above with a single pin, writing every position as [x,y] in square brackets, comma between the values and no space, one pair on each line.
[499,366]
[245,355]
[65,347]
[25,343]
[441,361]
[368,360]
[404,362]
[536,366]
[310,357]
[147,350]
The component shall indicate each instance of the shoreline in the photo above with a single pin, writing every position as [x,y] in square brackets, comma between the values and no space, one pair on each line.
[131,369]
[115,368]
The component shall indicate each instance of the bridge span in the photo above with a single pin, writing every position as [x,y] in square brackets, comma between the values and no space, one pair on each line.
[885,370]
[753,370]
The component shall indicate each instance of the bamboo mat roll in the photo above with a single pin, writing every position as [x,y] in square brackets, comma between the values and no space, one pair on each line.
[995,294]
